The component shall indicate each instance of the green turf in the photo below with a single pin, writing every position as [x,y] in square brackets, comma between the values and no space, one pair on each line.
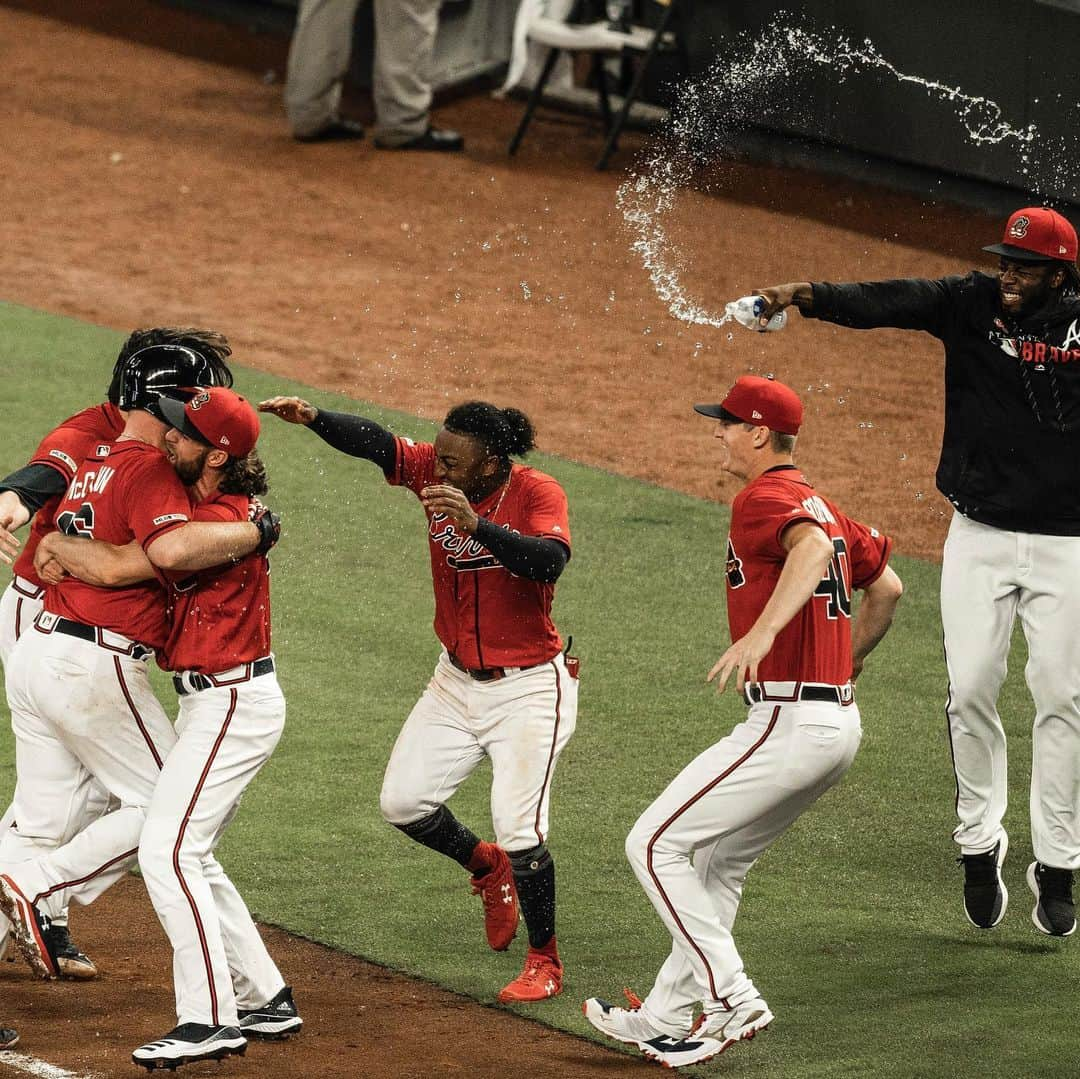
[851,923]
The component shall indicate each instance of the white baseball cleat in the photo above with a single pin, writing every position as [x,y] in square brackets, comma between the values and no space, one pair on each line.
[716,1031]
[188,1043]
[623,1024]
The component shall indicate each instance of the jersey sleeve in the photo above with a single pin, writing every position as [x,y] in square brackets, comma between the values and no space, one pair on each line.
[65,446]
[868,551]
[547,515]
[159,500]
[414,464]
[765,515]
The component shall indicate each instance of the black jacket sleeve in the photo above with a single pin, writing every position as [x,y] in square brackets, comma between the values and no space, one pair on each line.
[911,304]
[533,557]
[35,485]
[357,437]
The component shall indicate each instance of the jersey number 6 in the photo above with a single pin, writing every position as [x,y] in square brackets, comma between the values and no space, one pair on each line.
[79,523]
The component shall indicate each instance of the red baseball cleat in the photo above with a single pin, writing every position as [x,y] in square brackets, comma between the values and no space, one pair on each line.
[541,978]
[496,889]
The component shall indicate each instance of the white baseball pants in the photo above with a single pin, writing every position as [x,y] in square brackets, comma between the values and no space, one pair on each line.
[522,722]
[80,712]
[989,577]
[225,735]
[19,606]
[692,848]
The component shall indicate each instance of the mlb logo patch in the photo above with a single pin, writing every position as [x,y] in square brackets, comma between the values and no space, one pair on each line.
[102,451]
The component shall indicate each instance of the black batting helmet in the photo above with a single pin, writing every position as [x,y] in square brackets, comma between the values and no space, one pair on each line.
[152,370]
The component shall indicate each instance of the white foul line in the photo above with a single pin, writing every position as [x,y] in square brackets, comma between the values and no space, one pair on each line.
[32,1066]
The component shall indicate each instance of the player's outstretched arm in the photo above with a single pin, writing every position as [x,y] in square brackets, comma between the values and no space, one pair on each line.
[202,544]
[354,435]
[808,553]
[101,564]
[874,617]
[777,297]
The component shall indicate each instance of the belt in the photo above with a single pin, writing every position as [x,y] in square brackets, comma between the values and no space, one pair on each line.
[488,674]
[185,682]
[46,622]
[798,691]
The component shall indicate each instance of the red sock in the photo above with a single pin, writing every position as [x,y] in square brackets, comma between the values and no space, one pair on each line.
[482,860]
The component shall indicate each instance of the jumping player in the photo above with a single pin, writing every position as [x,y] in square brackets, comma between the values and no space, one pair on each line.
[77,685]
[232,713]
[1011,442]
[793,560]
[34,492]
[499,538]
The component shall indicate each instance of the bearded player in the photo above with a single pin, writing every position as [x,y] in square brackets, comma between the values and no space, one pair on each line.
[32,494]
[499,538]
[793,560]
[231,717]
[1008,466]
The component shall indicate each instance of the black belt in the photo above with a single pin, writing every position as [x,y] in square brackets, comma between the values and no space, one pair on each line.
[197,681]
[487,674]
[91,634]
[833,694]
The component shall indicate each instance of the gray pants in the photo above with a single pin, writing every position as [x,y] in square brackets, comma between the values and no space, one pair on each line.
[319,58]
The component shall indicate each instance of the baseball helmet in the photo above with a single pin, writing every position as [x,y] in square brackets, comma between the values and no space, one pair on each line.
[156,369]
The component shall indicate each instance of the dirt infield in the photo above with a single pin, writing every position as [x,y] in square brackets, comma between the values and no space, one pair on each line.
[142,186]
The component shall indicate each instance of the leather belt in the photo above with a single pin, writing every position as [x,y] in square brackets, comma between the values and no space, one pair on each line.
[185,682]
[487,674]
[47,622]
[798,691]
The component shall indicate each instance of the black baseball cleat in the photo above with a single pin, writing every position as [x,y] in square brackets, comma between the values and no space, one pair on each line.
[276,1019]
[8,1038]
[985,894]
[70,962]
[338,130]
[1054,912]
[188,1043]
[439,139]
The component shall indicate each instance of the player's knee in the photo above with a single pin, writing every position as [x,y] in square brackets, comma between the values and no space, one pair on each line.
[399,806]
[636,847]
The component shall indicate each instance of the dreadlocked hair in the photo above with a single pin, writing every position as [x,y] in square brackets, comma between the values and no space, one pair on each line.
[244,476]
[503,432]
[1072,278]
[209,344]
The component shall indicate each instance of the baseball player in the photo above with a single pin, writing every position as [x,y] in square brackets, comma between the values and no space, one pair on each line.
[77,683]
[793,560]
[34,491]
[1011,441]
[232,713]
[499,538]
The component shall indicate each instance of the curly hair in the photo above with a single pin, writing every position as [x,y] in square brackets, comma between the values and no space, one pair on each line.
[503,432]
[244,476]
[209,344]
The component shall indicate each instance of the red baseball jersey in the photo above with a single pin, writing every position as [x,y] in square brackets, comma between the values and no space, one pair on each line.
[123,491]
[64,449]
[815,646]
[484,614]
[219,618]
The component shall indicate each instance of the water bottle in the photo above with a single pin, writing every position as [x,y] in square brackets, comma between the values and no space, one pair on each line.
[747,310]
[618,13]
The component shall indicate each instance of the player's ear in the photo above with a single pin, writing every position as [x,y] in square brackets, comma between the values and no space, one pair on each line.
[217,458]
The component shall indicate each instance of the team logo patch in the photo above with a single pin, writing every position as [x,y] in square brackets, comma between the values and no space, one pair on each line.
[200,399]
[166,518]
[61,456]
[1019,227]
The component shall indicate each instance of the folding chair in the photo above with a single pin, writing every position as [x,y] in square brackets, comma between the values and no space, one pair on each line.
[602,41]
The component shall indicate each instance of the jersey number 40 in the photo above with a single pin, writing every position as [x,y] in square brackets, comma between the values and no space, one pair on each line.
[835,586]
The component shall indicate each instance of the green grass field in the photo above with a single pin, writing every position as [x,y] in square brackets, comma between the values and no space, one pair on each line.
[851,924]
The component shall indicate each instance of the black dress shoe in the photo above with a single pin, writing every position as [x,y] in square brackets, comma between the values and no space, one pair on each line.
[434,138]
[335,131]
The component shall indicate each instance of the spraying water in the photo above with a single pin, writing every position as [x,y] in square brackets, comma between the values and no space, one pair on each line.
[712,109]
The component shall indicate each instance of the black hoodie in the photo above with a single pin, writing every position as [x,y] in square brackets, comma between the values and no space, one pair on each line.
[1010,454]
